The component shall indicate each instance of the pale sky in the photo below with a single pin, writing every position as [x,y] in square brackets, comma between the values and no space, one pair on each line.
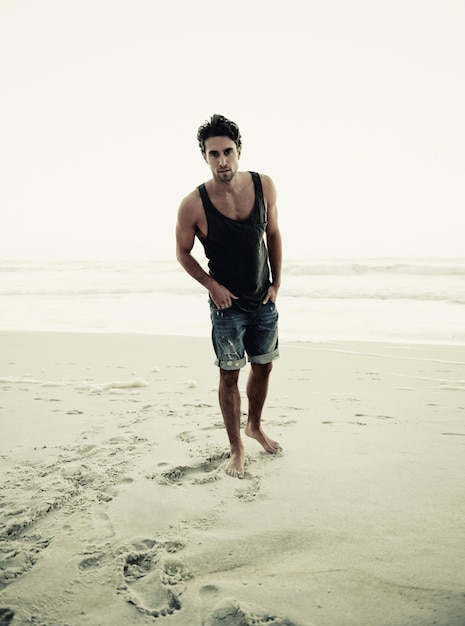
[355,108]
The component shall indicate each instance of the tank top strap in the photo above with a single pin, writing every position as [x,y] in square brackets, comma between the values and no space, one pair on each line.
[259,197]
[207,203]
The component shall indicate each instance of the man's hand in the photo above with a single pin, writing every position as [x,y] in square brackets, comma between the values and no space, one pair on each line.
[221,296]
[272,294]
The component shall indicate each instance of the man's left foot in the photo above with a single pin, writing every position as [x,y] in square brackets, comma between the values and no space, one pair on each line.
[267,444]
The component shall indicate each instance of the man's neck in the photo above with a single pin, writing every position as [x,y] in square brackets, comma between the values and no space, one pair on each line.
[235,185]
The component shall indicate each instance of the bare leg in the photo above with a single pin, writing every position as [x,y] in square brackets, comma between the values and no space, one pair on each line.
[230,404]
[257,388]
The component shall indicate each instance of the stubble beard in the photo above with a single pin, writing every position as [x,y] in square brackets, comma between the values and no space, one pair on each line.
[225,177]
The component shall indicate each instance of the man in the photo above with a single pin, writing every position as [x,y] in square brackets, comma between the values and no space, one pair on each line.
[234,216]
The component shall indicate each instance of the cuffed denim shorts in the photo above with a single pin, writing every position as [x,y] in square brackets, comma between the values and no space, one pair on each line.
[236,333]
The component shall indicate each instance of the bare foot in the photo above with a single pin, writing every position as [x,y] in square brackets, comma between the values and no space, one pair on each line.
[268,444]
[235,467]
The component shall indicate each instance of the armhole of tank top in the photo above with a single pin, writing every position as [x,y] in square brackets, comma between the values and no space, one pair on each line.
[257,181]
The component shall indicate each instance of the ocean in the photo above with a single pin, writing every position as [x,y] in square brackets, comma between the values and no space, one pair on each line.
[387,300]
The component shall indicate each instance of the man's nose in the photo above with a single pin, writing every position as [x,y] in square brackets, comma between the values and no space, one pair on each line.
[223,159]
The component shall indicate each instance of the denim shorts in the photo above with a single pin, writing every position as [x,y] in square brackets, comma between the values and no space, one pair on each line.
[236,333]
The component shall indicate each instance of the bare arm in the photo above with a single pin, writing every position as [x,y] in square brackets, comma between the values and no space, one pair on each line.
[186,228]
[273,239]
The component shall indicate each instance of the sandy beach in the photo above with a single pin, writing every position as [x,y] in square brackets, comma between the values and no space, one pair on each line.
[115,508]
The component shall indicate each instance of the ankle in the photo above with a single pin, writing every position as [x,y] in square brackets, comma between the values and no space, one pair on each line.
[252,428]
[237,447]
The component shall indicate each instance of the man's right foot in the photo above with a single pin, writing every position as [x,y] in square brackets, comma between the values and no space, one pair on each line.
[236,465]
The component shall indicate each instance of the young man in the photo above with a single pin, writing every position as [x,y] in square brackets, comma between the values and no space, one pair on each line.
[234,216]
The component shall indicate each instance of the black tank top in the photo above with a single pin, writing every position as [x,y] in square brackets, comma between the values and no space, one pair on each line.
[236,251]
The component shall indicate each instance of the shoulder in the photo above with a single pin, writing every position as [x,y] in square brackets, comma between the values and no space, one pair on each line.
[192,202]
[269,189]
[266,180]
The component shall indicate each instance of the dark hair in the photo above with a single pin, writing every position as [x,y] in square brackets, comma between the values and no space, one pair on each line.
[218,126]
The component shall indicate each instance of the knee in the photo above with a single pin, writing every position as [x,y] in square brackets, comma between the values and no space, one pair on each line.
[262,369]
[229,377]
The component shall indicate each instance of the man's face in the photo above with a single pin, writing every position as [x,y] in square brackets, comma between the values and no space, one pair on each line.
[222,155]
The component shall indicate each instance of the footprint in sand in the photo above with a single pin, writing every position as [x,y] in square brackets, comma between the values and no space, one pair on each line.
[199,473]
[103,533]
[249,493]
[154,579]
[191,435]
[6,615]
[94,561]
[229,612]
[102,527]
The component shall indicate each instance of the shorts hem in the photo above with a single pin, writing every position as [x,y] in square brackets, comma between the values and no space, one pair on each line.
[263,359]
[235,364]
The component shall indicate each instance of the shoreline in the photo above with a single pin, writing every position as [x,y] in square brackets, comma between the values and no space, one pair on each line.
[287,342]
[116,507]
